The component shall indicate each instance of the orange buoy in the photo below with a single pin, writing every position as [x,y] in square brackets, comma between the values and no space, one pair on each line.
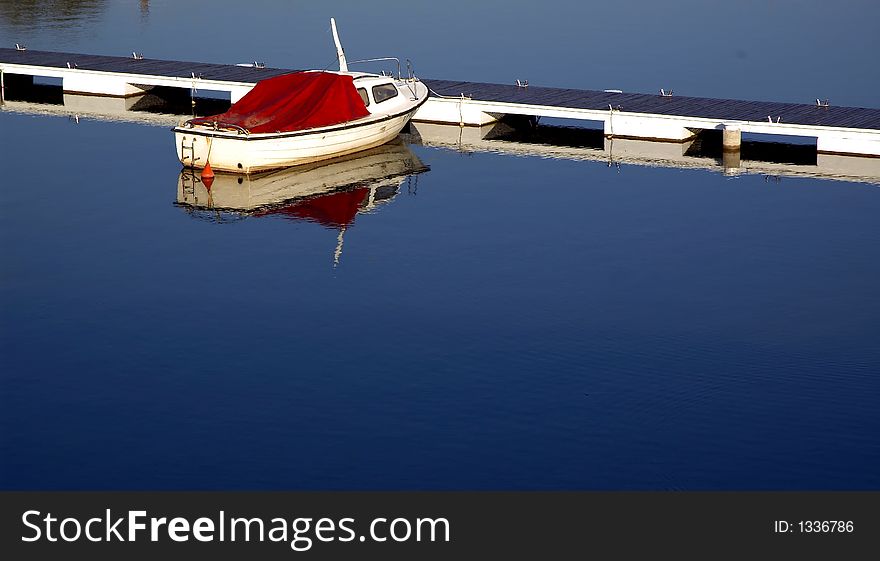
[208,175]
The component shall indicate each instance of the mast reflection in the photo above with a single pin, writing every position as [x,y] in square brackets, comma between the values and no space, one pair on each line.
[330,193]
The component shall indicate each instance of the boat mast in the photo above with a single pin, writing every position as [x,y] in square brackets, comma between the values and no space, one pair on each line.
[343,65]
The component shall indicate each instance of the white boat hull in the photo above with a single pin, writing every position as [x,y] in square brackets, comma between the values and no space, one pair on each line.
[259,152]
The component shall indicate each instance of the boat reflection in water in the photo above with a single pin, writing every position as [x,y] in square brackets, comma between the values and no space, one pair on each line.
[331,193]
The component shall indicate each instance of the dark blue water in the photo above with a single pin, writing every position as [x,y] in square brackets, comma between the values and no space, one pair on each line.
[503,323]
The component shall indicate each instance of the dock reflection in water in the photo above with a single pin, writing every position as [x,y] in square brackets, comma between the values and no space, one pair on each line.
[572,143]
[330,193]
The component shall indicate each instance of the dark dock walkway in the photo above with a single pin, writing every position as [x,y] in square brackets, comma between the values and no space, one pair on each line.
[145,66]
[726,109]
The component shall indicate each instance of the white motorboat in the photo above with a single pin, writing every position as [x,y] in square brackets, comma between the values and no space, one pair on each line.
[303,117]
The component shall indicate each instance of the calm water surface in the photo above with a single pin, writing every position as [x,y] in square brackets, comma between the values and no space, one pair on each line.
[497,322]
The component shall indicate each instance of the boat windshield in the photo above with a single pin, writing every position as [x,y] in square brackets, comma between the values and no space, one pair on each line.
[364,97]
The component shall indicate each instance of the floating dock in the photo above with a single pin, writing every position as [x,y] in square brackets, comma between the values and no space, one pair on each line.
[658,117]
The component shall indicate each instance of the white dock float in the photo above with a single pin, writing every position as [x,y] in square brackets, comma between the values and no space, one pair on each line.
[659,117]
[841,130]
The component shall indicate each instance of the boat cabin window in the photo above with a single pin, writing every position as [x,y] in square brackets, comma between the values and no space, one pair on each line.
[384,92]
[363,93]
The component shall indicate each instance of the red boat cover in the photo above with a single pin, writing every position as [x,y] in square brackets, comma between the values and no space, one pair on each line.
[294,102]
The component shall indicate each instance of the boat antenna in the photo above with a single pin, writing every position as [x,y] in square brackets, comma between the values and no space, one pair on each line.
[340,53]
